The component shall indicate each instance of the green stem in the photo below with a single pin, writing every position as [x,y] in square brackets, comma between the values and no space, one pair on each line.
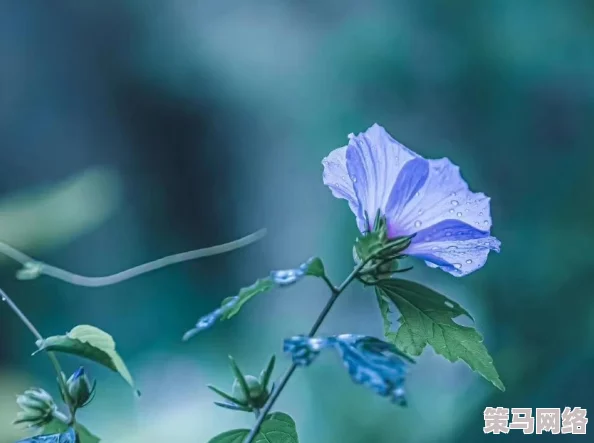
[54,360]
[336,291]
[41,268]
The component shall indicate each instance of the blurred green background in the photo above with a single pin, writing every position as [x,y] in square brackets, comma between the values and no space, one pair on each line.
[134,129]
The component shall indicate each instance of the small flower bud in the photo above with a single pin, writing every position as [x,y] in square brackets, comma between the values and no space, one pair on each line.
[80,389]
[254,387]
[37,406]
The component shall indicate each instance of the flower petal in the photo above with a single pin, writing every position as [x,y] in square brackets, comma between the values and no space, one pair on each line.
[453,246]
[410,180]
[374,160]
[445,195]
[336,177]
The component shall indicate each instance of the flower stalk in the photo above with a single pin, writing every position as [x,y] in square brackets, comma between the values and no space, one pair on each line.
[39,338]
[336,291]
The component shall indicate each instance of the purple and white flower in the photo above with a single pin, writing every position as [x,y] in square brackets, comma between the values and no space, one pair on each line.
[418,196]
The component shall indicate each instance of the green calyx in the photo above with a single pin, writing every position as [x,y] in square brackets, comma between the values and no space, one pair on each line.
[37,408]
[248,393]
[380,253]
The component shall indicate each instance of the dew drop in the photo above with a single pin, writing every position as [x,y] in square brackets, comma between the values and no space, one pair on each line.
[486,222]
[418,224]
[466,210]
[418,194]
[452,248]
[459,214]
[451,211]
[455,202]
[453,194]
[434,248]
[354,179]
[480,213]
[420,211]
[457,265]
[469,261]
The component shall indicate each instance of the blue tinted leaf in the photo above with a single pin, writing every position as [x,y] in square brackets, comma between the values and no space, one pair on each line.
[286,277]
[57,426]
[232,305]
[370,362]
[65,437]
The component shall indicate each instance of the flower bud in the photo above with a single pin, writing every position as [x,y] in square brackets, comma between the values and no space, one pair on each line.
[37,406]
[257,393]
[80,389]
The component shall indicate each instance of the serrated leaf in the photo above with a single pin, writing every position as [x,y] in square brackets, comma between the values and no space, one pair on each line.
[385,311]
[277,428]
[84,435]
[426,317]
[91,343]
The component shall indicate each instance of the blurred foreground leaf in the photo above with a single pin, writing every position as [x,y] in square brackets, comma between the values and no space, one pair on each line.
[54,214]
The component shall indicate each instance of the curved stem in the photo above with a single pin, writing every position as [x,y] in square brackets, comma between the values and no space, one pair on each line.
[40,268]
[39,337]
[336,291]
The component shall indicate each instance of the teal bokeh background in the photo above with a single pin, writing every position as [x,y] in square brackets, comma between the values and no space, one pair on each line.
[131,130]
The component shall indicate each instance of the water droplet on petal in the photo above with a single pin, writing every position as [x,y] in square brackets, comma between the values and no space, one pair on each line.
[480,213]
[418,194]
[420,211]
[434,248]
[457,265]
[418,224]
[453,194]
[451,211]
[459,214]
[469,261]
[452,248]
[486,222]
[455,202]
[354,179]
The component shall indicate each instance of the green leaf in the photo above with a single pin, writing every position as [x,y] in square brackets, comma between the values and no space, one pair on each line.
[91,343]
[277,428]
[84,435]
[245,295]
[426,317]
[315,267]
